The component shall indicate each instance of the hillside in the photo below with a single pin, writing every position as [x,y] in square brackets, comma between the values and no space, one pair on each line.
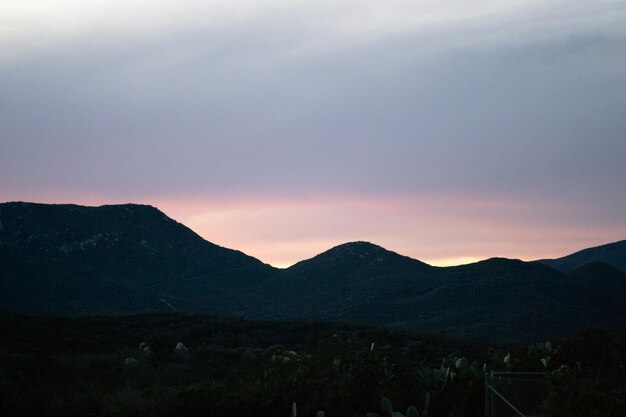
[67,259]
[349,282]
[613,254]
[128,259]
[496,299]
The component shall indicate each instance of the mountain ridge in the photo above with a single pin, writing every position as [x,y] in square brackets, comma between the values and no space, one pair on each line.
[613,254]
[129,259]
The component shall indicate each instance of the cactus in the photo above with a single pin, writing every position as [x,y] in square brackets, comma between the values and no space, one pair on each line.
[412,412]
[455,374]
[462,363]
[386,406]
[544,352]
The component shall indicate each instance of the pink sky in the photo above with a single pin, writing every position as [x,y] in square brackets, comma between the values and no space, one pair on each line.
[437,229]
[443,132]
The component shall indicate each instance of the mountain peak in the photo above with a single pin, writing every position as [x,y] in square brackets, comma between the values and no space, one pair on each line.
[498,260]
[357,248]
[358,251]
[353,255]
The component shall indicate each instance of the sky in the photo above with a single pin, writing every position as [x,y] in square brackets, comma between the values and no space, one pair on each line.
[448,131]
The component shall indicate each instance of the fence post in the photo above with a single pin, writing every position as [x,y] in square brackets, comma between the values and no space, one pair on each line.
[486,394]
[491,402]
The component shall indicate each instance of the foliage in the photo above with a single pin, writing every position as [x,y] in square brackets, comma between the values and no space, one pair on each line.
[452,389]
[62,366]
[590,380]
[573,392]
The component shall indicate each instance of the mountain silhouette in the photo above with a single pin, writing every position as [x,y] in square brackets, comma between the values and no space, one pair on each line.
[68,259]
[127,259]
[613,254]
[348,282]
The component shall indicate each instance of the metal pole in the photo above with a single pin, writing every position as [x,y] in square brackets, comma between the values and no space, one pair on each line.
[491,402]
[487,393]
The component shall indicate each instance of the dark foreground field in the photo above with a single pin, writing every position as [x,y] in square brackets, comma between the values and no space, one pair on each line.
[94,367]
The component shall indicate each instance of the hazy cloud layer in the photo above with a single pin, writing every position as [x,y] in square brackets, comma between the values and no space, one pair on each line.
[518,100]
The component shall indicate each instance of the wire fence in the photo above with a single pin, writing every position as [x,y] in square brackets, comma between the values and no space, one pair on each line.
[530,394]
[515,394]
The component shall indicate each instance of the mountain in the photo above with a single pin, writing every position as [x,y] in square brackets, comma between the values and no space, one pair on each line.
[348,282]
[495,299]
[127,259]
[510,298]
[68,259]
[601,285]
[613,254]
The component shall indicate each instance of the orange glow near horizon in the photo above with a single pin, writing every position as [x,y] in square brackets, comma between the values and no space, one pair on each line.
[460,260]
[437,229]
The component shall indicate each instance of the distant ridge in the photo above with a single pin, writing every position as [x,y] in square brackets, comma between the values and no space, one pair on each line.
[613,254]
[129,258]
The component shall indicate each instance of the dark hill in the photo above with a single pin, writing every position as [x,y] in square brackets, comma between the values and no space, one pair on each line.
[503,297]
[349,282]
[126,259]
[601,287]
[495,299]
[68,259]
[364,283]
[613,254]
[354,264]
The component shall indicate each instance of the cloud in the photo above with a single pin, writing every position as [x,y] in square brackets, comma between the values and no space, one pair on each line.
[115,101]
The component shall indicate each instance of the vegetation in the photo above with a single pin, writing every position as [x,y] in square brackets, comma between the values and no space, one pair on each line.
[81,366]
[78,366]
[590,379]
[72,260]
